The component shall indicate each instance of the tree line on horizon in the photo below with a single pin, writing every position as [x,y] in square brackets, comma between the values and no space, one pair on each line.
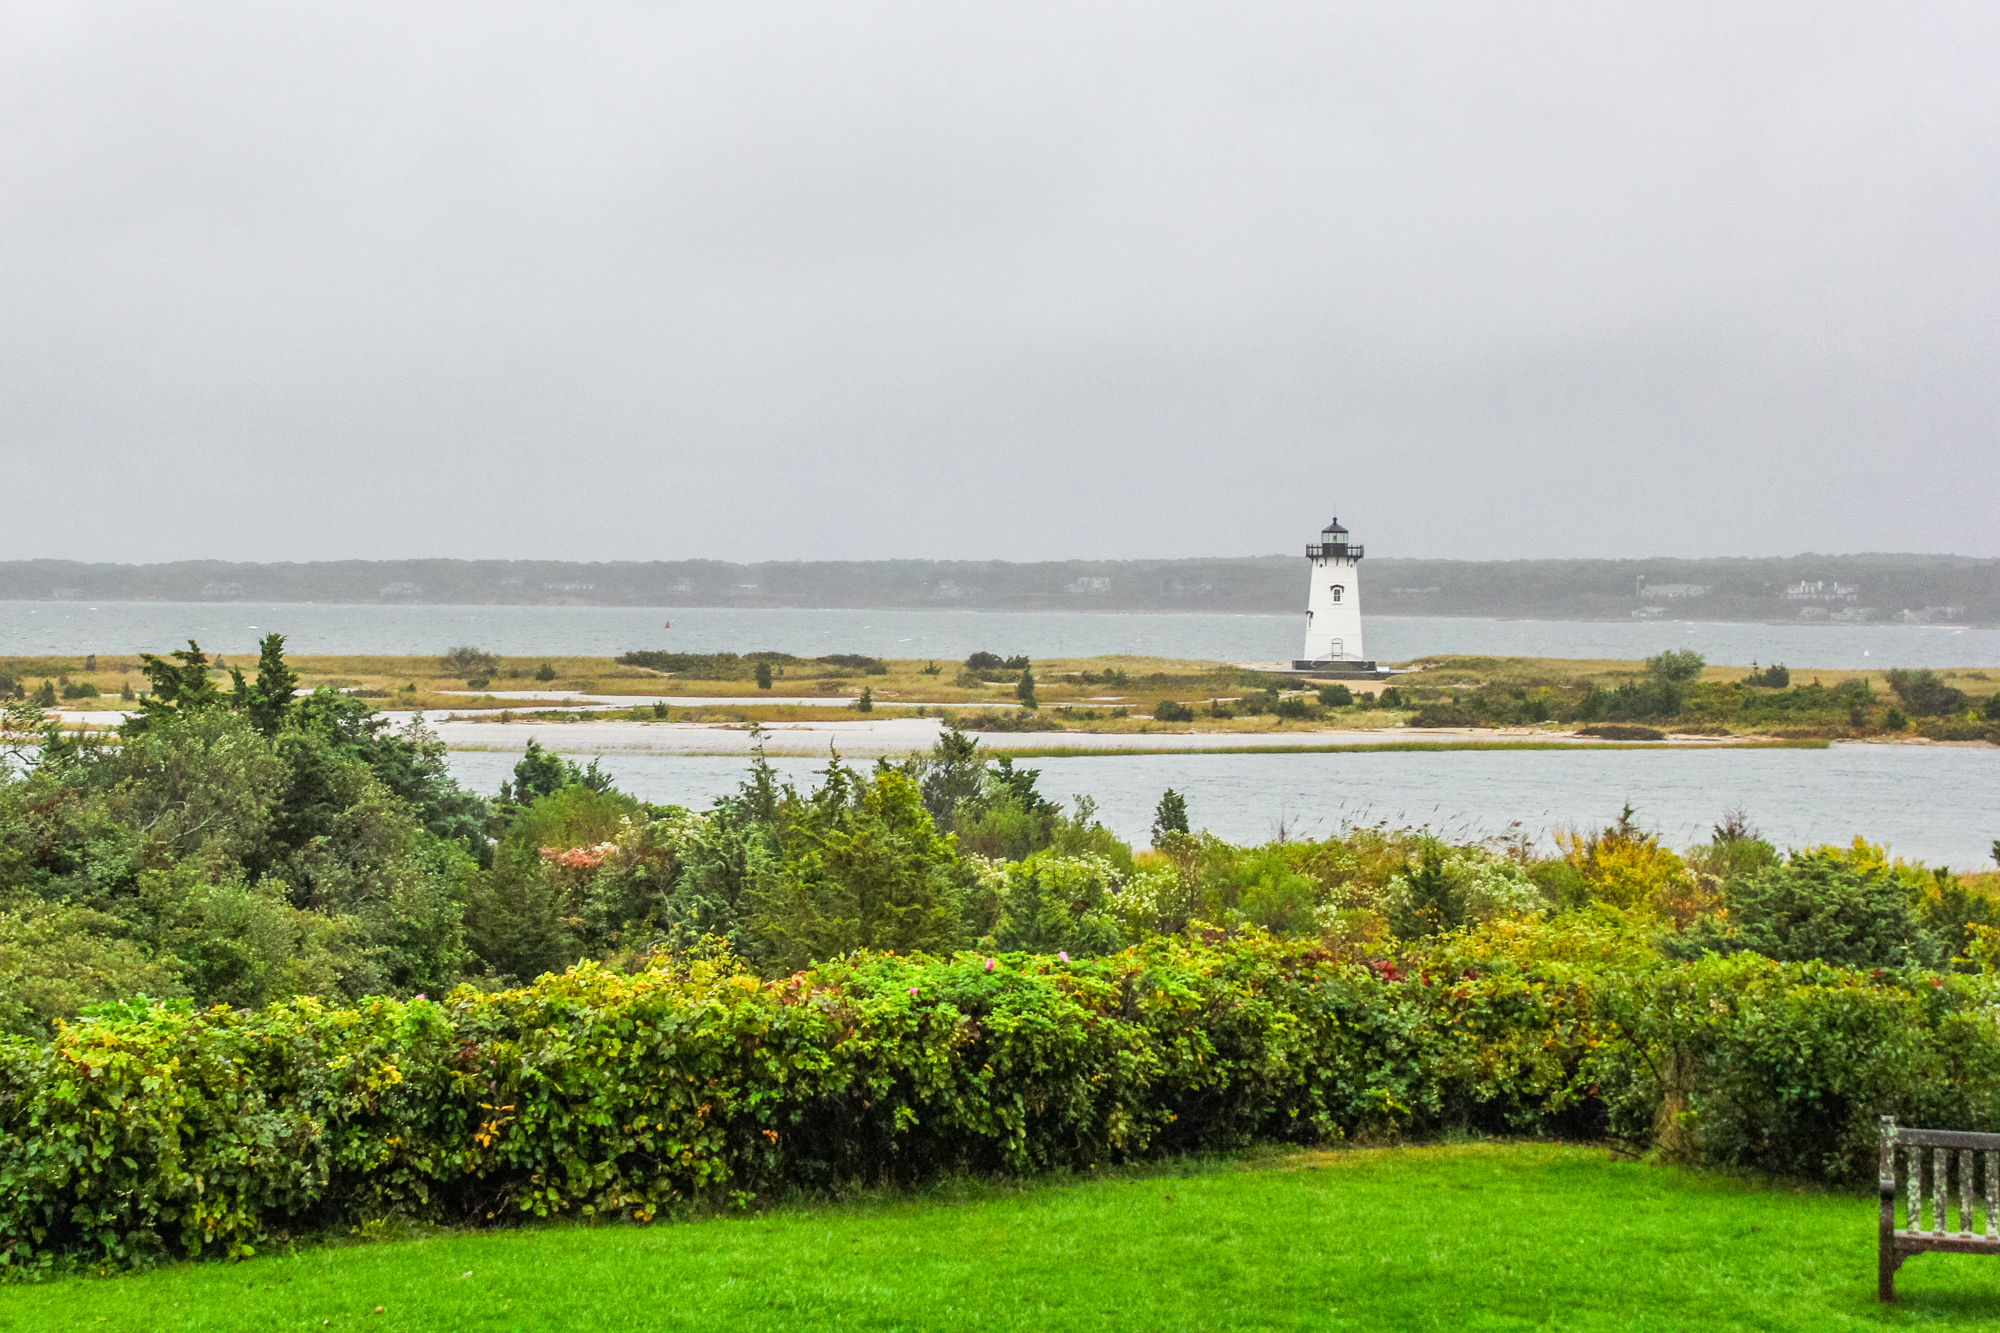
[1736,588]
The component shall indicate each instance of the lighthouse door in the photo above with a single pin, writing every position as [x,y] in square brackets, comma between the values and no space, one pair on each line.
[1336,650]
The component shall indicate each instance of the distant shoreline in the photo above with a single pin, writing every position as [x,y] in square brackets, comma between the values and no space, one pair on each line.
[1865,589]
[666,609]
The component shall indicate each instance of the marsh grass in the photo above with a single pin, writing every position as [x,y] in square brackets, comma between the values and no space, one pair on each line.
[1454,1236]
[1143,682]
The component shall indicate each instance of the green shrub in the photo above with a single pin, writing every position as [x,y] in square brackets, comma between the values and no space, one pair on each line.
[466,660]
[1787,1066]
[1017,720]
[867,666]
[1676,664]
[1822,905]
[148,1130]
[1446,715]
[151,1132]
[1621,732]
[1167,710]
[1924,694]
[711,666]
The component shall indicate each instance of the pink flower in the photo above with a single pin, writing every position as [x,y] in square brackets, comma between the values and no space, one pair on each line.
[913,990]
[420,995]
[1063,954]
[989,965]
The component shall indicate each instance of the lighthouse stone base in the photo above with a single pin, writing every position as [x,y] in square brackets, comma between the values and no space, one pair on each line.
[1339,670]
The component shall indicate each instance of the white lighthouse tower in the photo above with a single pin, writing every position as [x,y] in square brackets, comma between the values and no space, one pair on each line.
[1333,608]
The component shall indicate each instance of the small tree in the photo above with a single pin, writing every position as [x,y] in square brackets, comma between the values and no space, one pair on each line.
[181,685]
[270,700]
[466,660]
[24,732]
[1024,689]
[1774,677]
[1676,664]
[763,675]
[545,672]
[538,773]
[866,703]
[1169,816]
[1335,696]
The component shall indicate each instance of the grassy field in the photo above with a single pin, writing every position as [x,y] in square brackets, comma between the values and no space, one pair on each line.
[1485,1236]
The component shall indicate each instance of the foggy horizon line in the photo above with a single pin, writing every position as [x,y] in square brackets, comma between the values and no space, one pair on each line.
[987,560]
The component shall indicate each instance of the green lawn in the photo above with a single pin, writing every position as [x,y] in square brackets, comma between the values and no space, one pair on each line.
[1491,1236]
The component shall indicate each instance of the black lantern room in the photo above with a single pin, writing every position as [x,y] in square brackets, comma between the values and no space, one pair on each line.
[1333,544]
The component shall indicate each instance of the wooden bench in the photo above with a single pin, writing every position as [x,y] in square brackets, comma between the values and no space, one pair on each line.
[1894,1245]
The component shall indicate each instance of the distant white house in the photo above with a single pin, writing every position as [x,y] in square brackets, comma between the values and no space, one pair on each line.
[401,589]
[1088,585]
[1671,592]
[1820,591]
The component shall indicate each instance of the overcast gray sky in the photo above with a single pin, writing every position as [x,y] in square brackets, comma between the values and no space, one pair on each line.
[1021,281]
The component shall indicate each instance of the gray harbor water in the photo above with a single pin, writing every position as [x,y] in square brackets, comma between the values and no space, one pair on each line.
[1931,803]
[36,628]
[1934,803]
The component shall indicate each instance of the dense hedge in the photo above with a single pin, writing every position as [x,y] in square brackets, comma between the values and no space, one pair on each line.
[151,1132]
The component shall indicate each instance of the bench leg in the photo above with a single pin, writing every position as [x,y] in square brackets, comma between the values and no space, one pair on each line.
[1887,1261]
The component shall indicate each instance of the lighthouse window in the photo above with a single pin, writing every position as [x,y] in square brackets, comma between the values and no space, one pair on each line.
[1337,590]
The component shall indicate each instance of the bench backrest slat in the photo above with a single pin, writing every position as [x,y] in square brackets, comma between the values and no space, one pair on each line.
[1940,1188]
[1913,1182]
[1946,1138]
[1993,1195]
[1966,1161]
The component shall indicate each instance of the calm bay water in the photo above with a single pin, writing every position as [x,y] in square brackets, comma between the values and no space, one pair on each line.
[1929,803]
[1937,804]
[233,628]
